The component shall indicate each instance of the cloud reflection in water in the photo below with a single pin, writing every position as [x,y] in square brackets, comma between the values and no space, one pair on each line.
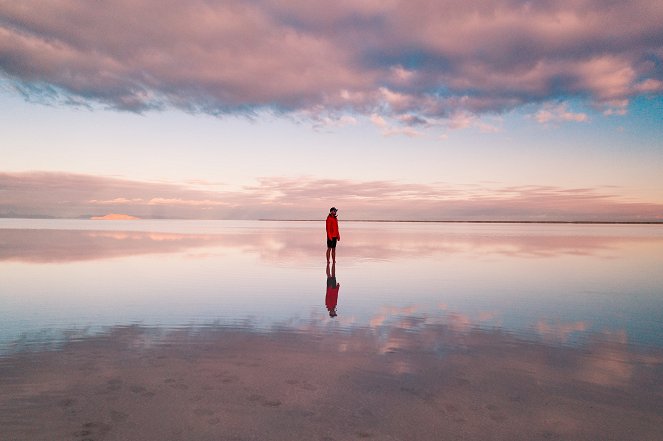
[559,284]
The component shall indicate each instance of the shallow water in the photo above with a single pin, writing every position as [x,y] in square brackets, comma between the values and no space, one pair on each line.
[555,283]
[463,331]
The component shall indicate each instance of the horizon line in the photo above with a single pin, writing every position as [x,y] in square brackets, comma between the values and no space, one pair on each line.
[458,221]
[470,221]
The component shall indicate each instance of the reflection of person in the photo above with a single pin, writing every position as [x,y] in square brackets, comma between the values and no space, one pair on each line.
[331,298]
[333,235]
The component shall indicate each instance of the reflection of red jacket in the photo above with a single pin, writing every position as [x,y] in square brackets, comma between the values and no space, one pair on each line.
[332,227]
[332,297]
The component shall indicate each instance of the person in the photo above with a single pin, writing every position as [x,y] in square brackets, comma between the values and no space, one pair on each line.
[333,235]
[331,296]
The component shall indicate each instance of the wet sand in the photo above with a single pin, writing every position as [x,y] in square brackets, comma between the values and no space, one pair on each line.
[439,383]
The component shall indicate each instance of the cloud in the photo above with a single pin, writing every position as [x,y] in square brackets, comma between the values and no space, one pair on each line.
[389,129]
[186,202]
[558,113]
[117,201]
[72,195]
[378,121]
[408,61]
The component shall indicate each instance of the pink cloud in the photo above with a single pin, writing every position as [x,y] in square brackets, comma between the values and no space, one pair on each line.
[187,202]
[393,58]
[72,195]
[558,113]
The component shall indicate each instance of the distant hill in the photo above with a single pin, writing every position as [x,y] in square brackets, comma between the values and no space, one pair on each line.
[113,216]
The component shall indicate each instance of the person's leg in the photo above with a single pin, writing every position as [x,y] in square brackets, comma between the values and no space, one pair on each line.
[333,253]
[328,251]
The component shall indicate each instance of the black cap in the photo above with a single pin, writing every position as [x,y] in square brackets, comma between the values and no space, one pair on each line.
[332,209]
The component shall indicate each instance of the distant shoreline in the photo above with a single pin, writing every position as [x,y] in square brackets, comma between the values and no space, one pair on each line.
[367,220]
[478,221]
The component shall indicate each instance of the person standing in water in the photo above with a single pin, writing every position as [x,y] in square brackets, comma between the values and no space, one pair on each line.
[333,235]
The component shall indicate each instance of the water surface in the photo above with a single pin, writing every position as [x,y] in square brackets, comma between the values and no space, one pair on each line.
[444,331]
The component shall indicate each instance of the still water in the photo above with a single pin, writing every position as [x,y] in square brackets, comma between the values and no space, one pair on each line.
[443,331]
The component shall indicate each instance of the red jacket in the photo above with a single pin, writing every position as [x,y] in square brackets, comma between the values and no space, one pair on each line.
[332,227]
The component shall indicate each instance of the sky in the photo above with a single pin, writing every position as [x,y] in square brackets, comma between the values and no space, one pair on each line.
[408,110]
